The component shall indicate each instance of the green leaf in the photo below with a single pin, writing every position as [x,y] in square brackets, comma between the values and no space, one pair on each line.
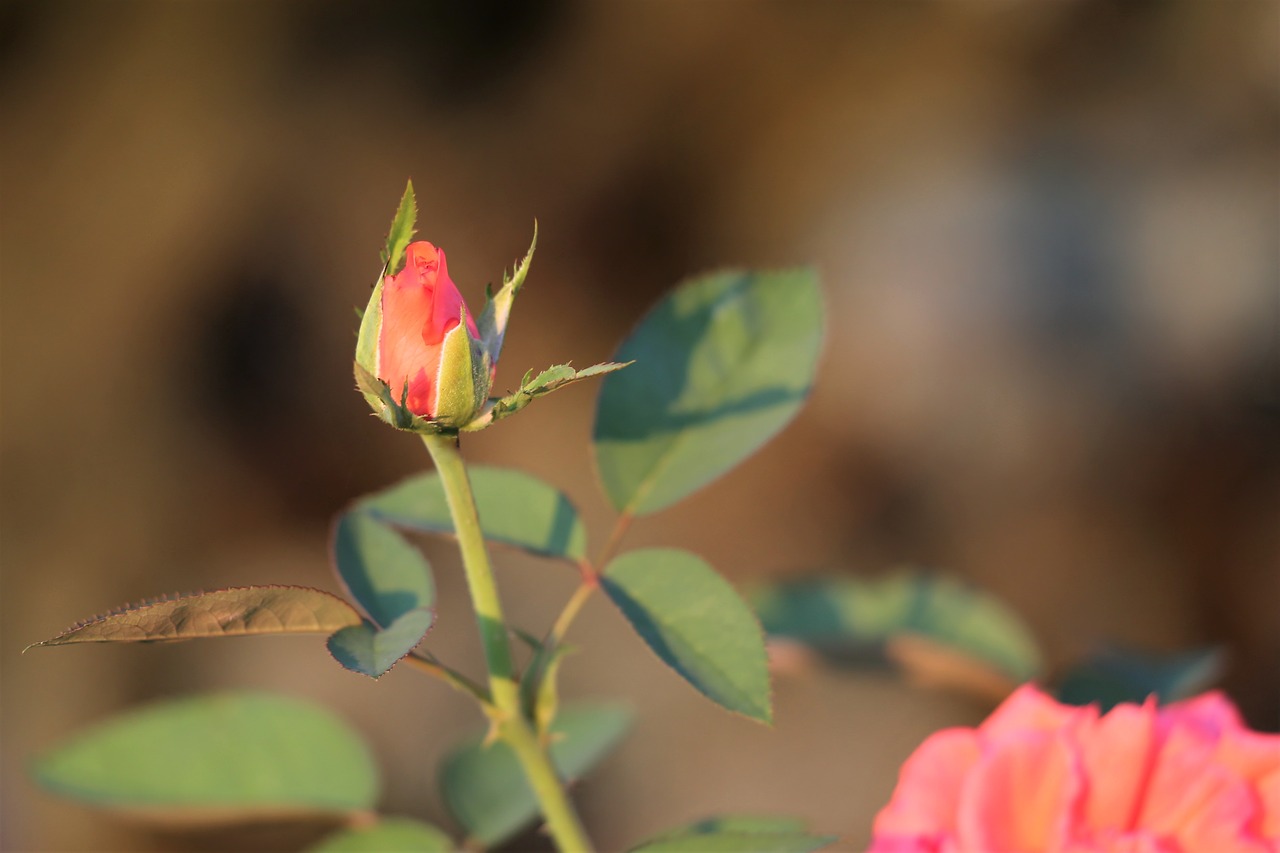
[401,232]
[369,651]
[694,620]
[552,379]
[386,575]
[231,756]
[515,508]
[486,790]
[722,364]
[738,835]
[1110,676]
[850,620]
[496,314]
[388,835]
[222,613]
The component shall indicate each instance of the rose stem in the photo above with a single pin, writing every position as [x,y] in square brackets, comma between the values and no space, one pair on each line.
[562,821]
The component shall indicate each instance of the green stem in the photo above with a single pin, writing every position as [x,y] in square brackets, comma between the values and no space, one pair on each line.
[562,821]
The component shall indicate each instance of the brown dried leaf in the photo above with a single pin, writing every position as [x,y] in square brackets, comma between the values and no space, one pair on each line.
[221,613]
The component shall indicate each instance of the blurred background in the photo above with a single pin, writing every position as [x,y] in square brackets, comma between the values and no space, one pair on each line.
[1048,239]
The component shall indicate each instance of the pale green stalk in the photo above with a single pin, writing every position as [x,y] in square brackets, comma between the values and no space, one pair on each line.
[562,821]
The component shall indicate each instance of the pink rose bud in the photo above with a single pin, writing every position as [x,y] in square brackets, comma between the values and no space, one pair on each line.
[1041,776]
[429,351]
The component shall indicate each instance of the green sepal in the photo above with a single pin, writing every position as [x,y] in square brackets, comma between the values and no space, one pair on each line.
[552,379]
[462,381]
[367,341]
[391,411]
[497,307]
[401,232]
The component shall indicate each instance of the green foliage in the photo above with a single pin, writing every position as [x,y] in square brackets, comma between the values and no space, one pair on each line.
[1111,676]
[401,232]
[850,620]
[386,575]
[391,581]
[390,408]
[515,508]
[232,756]
[551,379]
[696,622]
[222,613]
[388,835]
[486,790]
[737,835]
[371,651]
[493,320]
[722,364]
[539,694]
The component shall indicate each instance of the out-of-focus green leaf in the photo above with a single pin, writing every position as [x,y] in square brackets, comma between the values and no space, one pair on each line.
[737,835]
[388,835]
[486,790]
[515,508]
[909,615]
[1111,676]
[696,622]
[386,575]
[221,757]
[722,364]
[222,613]
[369,651]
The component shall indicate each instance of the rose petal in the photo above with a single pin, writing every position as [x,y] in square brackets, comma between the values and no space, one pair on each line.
[1251,754]
[1212,712]
[1027,709]
[1022,795]
[1268,788]
[898,844]
[928,791]
[1118,752]
[1203,804]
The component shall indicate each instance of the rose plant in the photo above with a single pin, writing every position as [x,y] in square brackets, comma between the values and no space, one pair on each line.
[712,372]
[715,370]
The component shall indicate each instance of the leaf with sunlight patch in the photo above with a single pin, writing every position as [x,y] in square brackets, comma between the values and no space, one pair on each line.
[515,509]
[722,364]
[694,620]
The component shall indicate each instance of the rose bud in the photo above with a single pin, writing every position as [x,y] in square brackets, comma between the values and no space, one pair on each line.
[425,347]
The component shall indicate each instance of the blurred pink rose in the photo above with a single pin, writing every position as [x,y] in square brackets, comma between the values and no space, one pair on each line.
[1040,776]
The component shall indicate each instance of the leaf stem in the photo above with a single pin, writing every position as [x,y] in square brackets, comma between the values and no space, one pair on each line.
[571,609]
[562,821]
[620,528]
[590,580]
[456,680]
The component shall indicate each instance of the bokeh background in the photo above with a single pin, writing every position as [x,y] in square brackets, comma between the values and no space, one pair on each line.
[1048,238]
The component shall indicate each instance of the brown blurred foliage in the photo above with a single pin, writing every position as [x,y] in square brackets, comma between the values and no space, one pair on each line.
[1048,235]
